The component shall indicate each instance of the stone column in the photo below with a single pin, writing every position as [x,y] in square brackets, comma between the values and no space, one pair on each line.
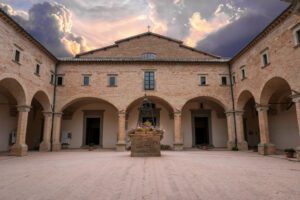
[230,130]
[265,147]
[56,145]
[242,144]
[121,144]
[296,100]
[45,144]
[20,148]
[178,137]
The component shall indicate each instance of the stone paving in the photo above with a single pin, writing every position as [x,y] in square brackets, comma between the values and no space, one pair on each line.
[176,175]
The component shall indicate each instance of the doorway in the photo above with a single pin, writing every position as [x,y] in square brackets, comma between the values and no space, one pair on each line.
[201,131]
[92,131]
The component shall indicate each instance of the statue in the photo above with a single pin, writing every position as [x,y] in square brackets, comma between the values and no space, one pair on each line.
[145,139]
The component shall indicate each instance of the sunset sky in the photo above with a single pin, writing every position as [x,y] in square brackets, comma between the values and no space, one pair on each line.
[67,27]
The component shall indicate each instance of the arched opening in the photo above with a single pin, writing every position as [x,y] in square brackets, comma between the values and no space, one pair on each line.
[246,103]
[282,118]
[11,95]
[204,123]
[163,117]
[89,121]
[35,128]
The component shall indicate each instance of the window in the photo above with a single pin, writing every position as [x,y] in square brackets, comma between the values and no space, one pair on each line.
[233,79]
[86,80]
[203,80]
[224,80]
[52,78]
[297,34]
[149,56]
[59,80]
[112,80]
[17,56]
[149,80]
[265,59]
[243,73]
[37,69]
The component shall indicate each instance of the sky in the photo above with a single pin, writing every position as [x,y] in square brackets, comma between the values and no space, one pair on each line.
[68,27]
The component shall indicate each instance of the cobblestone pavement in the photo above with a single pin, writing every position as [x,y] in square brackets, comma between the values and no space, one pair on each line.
[176,175]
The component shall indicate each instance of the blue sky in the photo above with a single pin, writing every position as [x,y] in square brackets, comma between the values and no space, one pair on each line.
[67,27]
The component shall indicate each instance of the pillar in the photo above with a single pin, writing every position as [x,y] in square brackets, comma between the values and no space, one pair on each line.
[265,147]
[296,100]
[20,148]
[178,137]
[241,143]
[121,144]
[230,130]
[45,144]
[56,145]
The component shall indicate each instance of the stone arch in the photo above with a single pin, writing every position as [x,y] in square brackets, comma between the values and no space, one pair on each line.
[208,98]
[14,88]
[43,98]
[243,98]
[161,100]
[275,84]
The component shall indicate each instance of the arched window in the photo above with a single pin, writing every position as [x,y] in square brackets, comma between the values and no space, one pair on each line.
[149,56]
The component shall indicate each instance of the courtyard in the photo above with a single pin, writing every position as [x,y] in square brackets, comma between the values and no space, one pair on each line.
[105,174]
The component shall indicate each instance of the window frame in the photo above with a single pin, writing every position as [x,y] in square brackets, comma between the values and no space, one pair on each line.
[226,80]
[296,35]
[200,79]
[150,84]
[265,57]
[243,73]
[62,79]
[109,78]
[88,76]
[37,69]
[149,56]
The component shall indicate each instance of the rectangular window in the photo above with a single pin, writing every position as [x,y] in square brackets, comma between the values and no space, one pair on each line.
[243,73]
[149,80]
[37,69]
[112,80]
[17,56]
[224,80]
[59,80]
[233,79]
[52,78]
[202,80]
[298,36]
[265,59]
[86,80]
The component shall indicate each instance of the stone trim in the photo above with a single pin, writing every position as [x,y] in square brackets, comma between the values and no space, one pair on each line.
[24,108]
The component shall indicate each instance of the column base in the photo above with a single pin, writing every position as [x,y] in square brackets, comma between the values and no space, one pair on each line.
[56,147]
[19,150]
[230,145]
[121,146]
[266,149]
[243,146]
[298,153]
[44,146]
[178,147]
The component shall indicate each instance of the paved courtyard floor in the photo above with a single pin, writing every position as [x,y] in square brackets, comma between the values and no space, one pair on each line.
[176,175]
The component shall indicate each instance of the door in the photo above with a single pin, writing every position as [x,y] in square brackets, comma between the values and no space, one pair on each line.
[92,131]
[201,131]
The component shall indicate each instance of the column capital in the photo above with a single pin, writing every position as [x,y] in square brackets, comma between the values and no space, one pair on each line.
[23,108]
[239,112]
[58,114]
[295,98]
[47,114]
[260,108]
[229,113]
[121,113]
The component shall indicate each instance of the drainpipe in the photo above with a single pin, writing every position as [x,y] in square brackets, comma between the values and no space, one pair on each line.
[53,104]
[233,105]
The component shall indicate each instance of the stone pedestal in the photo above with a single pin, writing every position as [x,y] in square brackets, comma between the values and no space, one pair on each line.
[121,146]
[266,149]
[145,143]
[178,147]
[230,145]
[242,146]
[56,147]
[19,150]
[44,146]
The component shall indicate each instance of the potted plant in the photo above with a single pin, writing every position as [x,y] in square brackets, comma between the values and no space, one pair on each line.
[289,153]
[91,146]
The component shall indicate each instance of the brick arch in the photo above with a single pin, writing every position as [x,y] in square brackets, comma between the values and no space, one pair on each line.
[15,87]
[153,98]
[243,98]
[271,86]
[84,99]
[43,98]
[209,98]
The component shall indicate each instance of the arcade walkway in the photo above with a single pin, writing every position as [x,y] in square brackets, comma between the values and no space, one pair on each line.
[176,175]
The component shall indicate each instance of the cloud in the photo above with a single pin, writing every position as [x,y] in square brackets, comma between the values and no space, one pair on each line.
[51,24]
[229,40]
